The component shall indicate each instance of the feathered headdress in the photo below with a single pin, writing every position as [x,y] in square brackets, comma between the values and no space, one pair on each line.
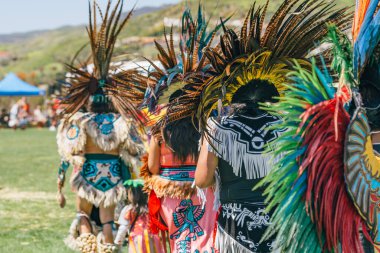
[124,89]
[325,188]
[264,53]
[184,73]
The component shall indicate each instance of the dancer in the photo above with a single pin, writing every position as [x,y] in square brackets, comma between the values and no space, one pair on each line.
[169,173]
[134,220]
[253,68]
[103,144]
[325,190]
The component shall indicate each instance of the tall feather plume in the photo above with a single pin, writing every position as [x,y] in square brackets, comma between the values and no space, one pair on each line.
[125,89]
[313,212]
[293,31]
[366,34]
[186,70]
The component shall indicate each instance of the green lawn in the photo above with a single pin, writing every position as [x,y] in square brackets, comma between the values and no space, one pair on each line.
[30,218]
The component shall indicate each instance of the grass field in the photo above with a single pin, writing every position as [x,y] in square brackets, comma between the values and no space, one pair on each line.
[30,218]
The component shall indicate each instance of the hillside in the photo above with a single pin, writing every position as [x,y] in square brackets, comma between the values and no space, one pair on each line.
[39,56]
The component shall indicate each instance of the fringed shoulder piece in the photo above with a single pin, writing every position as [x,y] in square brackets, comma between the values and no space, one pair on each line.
[71,138]
[132,148]
[243,146]
[106,130]
[110,131]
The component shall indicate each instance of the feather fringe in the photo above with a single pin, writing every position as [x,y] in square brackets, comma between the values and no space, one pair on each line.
[97,197]
[167,188]
[124,138]
[164,187]
[144,171]
[326,198]
[112,140]
[72,150]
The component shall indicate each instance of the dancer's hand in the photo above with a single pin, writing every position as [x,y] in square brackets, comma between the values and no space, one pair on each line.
[61,199]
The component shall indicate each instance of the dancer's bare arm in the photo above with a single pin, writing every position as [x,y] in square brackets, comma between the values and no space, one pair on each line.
[154,156]
[207,163]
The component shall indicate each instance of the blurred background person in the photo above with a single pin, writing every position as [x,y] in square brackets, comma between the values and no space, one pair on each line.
[39,117]
[4,118]
[13,116]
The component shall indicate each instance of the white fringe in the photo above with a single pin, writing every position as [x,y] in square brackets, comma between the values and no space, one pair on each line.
[201,196]
[95,196]
[217,187]
[225,243]
[235,153]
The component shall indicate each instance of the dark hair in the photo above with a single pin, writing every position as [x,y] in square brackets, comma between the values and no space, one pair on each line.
[181,135]
[371,95]
[255,92]
[139,198]
[100,107]
[370,90]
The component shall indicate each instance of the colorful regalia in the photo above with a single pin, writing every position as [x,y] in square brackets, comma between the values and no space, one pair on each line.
[99,177]
[134,221]
[109,126]
[174,205]
[325,191]
[239,140]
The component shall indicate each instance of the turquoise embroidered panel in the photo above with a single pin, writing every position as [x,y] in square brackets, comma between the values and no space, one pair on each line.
[102,174]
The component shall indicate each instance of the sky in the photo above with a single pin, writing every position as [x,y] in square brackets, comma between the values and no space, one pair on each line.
[30,15]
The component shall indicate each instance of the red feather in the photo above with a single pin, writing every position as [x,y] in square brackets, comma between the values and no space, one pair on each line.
[326,199]
[154,204]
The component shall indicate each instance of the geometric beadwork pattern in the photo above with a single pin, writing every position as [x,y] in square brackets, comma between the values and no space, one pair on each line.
[102,174]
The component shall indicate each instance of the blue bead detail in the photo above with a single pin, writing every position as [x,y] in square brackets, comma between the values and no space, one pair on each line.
[105,122]
[73,132]
[178,174]
[115,169]
[89,169]
[104,184]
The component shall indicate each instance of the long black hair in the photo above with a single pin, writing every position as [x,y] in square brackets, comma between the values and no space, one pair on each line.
[139,198]
[181,135]
[370,90]
[253,93]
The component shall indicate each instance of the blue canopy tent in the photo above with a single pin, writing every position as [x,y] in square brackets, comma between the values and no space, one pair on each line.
[11,85]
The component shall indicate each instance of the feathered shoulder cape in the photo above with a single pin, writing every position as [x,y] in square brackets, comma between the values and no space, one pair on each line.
[108,131]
